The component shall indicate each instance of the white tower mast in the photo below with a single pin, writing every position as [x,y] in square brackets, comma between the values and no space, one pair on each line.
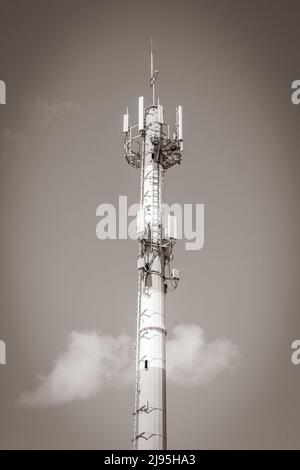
[148,147]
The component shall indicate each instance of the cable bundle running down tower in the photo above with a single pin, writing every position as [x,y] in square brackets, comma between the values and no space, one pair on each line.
[149,147]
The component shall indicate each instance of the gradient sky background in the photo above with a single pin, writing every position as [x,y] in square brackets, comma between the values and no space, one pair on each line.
[71,68]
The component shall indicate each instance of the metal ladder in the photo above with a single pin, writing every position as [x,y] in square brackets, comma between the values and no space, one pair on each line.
[137,344]
[137,370]
[155,215]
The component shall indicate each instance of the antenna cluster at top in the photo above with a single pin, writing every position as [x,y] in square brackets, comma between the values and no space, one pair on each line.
[168,143]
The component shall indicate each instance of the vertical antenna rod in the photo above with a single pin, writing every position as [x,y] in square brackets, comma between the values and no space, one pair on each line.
[153,73]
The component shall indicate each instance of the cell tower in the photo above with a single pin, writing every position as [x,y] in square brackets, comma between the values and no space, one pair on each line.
[149,147]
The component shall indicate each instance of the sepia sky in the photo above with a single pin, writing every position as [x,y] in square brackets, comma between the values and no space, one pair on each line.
[71,68]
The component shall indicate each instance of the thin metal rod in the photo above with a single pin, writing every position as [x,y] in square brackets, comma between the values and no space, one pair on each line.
[152,79]
[151,61]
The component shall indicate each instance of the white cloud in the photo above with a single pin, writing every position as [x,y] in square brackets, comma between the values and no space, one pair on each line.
[48,111]
[191,360]
[92,360]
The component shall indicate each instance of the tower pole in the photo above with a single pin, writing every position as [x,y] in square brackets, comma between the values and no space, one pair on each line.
[153,152]
[151,386]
